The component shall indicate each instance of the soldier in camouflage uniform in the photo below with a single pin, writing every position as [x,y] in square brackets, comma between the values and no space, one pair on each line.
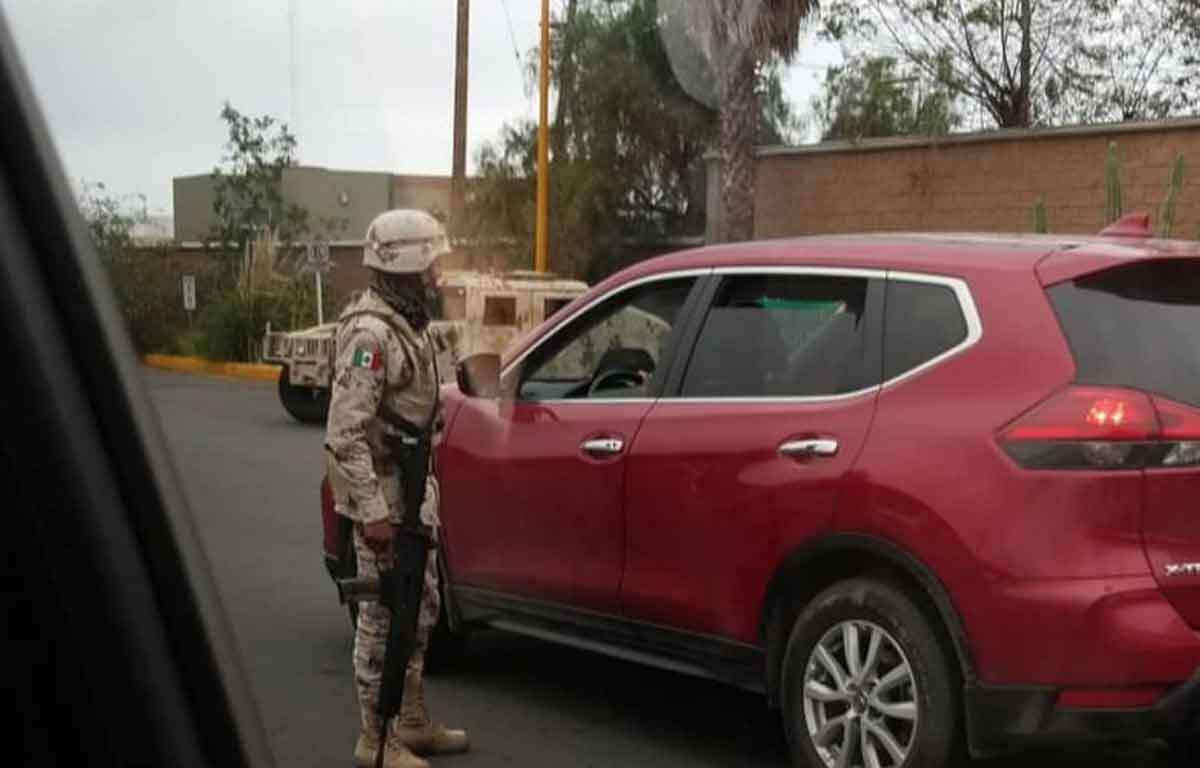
[386,372]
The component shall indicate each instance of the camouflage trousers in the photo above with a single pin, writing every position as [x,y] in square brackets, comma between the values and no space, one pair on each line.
[370,635]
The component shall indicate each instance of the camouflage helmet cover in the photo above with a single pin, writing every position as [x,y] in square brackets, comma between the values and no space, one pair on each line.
[404,242]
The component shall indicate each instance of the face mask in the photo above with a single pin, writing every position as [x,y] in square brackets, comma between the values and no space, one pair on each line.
[433,300]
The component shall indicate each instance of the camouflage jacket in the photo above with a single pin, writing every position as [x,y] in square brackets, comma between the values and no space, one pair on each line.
[384,371]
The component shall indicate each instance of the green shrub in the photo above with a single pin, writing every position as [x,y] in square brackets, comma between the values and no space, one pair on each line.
[1112,184]
[147,288]
[1039,216]
[231,327]
[1167,210]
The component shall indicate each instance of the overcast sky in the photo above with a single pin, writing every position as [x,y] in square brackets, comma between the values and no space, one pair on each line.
[132,88]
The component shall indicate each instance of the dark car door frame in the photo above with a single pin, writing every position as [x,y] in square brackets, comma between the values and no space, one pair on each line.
[120,650]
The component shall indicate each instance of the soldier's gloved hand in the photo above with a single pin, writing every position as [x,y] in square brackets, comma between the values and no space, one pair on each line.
[378,537]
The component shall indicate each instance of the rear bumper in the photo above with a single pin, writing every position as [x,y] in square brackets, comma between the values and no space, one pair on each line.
[1000,717]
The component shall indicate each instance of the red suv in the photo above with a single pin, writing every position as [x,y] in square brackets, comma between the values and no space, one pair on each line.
[916,488]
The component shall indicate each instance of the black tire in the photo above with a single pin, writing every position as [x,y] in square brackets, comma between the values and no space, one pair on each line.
[932,740]
[307,405]
[1184,750]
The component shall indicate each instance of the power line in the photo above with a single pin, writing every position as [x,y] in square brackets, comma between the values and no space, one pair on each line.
[292,86]
[512,36]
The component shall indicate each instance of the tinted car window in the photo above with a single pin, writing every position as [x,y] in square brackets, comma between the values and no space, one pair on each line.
[782,336]
[626,334]
[923,321]
[1136,326]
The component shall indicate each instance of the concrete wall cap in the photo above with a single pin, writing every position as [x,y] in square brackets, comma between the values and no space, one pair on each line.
[974,137]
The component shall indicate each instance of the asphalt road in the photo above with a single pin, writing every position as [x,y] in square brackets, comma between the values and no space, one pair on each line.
[252,474]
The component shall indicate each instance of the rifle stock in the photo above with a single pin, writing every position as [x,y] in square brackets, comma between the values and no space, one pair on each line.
[365,590]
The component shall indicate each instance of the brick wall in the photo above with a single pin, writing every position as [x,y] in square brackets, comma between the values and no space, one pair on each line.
[986,181]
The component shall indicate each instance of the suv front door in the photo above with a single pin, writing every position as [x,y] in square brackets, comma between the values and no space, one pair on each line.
[536,479]
[746,452]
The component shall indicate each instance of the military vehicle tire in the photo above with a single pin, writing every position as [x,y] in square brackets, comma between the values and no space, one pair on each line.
[307,405]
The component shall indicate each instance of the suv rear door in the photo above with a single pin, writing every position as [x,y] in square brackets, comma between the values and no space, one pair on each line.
[1137,326]
[745,452]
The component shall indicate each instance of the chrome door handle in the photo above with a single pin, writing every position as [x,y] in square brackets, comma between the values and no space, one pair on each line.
[799,449]
[603,446]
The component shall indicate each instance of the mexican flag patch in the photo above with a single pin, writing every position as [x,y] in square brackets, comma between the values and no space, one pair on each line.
[365,358]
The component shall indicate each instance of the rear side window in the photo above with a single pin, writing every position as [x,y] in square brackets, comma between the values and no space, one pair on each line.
[783,336]
[924,320]
[1136,326]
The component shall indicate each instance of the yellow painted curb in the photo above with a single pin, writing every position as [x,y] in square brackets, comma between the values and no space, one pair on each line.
[251,371]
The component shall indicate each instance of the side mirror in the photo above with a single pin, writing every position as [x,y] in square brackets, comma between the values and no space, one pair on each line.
[479,375]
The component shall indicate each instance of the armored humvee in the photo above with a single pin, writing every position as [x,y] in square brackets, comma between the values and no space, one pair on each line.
[481,312]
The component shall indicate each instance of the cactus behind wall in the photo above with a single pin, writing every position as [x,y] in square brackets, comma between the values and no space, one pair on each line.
[1039,216]
[1112,182]
[1166,211]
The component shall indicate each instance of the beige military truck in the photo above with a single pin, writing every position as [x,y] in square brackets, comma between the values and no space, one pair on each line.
[481,312]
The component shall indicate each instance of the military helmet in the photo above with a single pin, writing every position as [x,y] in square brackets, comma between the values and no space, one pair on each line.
[404,242]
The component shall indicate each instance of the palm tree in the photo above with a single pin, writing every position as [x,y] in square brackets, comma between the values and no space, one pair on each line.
[737,37]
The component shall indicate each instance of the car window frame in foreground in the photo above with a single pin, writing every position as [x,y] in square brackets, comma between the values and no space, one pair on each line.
[124,654]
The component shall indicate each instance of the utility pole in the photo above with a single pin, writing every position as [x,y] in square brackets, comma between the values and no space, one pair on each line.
[458,178]
[540,260]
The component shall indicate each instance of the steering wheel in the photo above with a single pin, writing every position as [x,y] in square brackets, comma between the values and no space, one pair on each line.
[625,379]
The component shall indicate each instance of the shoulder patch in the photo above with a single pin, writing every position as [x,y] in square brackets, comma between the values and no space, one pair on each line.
[366,357]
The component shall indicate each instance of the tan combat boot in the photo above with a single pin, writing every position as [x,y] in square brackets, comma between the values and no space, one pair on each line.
[396,755]
[415,728]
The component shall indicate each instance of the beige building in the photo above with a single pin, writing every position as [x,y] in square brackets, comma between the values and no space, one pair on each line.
[348,199]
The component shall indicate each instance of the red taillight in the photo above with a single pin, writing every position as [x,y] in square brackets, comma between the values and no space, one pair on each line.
[1087,413]
[1104,428]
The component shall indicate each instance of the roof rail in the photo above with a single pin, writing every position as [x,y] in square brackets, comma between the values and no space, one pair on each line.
[1129,225]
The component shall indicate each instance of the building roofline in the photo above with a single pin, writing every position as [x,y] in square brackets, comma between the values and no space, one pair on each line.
[389,174]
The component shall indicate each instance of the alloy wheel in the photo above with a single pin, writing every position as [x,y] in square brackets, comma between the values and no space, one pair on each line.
[860,698]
